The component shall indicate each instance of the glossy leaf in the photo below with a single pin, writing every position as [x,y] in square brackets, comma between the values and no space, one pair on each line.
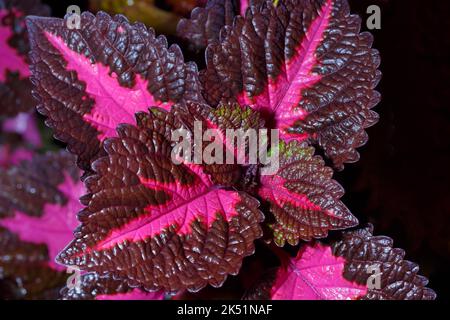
[304,200]
[306,66]
[90,80]
[399,278]
[341,270]
[157,224]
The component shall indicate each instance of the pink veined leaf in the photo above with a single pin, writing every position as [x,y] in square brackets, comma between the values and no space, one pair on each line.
[219,120]
[304,199]
[347,268]
[93,287]
[90,80]
[146,217]
[306,66]
[315,274]
[15,86]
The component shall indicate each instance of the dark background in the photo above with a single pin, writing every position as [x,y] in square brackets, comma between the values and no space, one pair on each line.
[401,183]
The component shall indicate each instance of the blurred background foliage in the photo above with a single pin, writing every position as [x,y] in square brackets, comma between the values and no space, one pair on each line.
[163,16]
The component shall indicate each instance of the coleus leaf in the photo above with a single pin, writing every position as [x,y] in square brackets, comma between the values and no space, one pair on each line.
[304,64]
[105,288]
[156,224]
[24,266]
[341,270]
[15,86]
[205,24]
[303,198]
[90,80]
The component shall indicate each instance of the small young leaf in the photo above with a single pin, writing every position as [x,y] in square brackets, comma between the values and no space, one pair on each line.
[90,80]
[105,288]
[157,224]
[305,65]
[342,269]
[304,199]
[226,117]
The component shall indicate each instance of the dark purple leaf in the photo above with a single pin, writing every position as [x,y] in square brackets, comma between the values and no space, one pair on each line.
[305,66]
[90,80]
[156,224]
[304,200]
[341,270]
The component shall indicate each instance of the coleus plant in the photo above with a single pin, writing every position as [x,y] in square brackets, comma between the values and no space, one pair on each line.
[115,92]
